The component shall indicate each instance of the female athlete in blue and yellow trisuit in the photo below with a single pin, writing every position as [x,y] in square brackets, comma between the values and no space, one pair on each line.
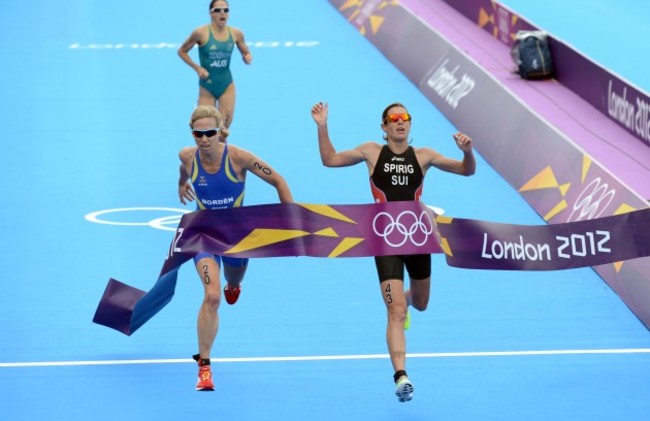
[214,174]
[216,42]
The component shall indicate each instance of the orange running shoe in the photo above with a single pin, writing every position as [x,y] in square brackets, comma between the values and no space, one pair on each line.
[232,295]
[205,383]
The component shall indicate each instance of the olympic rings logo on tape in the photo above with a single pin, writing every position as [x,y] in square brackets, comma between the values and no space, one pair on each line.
[592,201]
[395,233]
[166,223]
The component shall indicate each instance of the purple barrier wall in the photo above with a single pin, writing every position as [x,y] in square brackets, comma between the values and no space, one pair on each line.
[557,178]
[619,100]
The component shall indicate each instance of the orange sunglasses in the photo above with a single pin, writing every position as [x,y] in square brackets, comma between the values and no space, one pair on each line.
[394,118]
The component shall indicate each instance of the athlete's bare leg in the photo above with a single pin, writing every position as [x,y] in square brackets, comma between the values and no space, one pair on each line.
[392,291]
[206,97]
[234,274]
[227,104]
[208,318]
[418,295]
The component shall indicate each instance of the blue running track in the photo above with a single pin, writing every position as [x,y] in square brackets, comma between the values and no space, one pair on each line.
[94,107]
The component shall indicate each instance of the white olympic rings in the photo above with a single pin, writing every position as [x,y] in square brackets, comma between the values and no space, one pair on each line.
[421,224]
[167,223]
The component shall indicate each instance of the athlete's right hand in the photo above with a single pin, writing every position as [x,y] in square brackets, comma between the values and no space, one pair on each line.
[223,135]
[319,113]
[186,192]
[203,74]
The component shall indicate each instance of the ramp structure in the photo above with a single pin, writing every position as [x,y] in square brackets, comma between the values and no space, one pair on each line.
[576,147]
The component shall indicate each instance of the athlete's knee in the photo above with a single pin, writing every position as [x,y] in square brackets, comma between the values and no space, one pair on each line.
[420,304]
[397,312]
[227,118]
[212,299]
[419,301]
[234,275]
[419,294]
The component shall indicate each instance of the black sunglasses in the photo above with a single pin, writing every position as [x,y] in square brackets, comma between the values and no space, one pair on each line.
[219,10]
[209,133]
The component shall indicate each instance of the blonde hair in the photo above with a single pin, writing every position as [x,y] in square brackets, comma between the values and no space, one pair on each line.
[206,111]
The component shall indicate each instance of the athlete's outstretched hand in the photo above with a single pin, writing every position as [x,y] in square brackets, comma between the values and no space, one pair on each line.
[185,192]
[319,113]
[463,141]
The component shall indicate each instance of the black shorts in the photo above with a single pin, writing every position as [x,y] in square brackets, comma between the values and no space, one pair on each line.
[392,267]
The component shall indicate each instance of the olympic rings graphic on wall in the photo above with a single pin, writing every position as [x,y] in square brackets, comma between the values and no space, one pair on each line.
[419,226]
[166,223]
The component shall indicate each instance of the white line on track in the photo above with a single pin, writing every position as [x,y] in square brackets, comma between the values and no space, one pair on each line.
[332,357]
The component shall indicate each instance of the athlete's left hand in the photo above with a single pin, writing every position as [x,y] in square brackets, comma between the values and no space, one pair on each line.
[248,58]
[463,141]
[319,113]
